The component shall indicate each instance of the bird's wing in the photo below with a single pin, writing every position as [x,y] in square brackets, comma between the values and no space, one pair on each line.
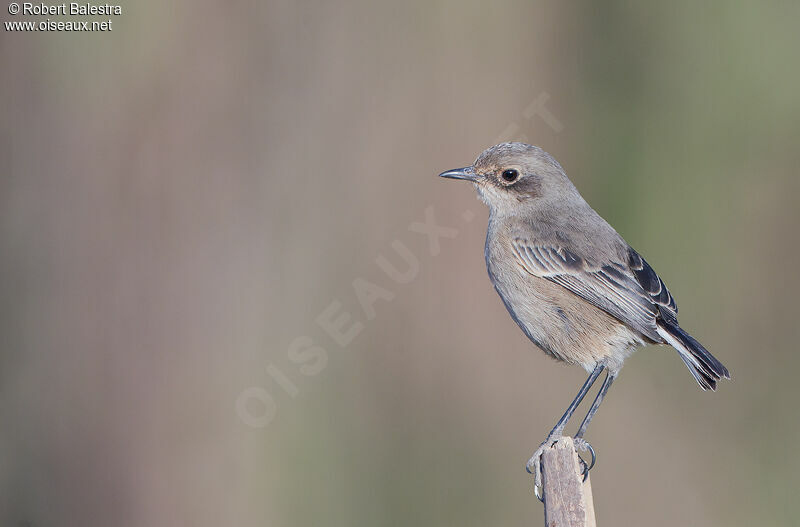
[629,291]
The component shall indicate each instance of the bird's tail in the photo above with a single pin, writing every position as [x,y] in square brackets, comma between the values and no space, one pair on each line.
[705,368]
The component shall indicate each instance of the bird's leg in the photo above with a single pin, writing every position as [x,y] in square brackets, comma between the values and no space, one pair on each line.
[580,442]
[596,404]
[534,463]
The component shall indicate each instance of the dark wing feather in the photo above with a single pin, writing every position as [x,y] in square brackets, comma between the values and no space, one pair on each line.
[654,286]
[629,291]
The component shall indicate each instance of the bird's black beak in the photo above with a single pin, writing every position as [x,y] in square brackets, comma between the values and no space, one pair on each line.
[467,173]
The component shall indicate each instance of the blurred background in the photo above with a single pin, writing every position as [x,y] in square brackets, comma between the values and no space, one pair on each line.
[220,304]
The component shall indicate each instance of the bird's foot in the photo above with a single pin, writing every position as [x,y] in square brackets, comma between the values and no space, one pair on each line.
[534,464]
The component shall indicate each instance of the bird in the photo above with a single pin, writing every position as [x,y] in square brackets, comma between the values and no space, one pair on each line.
[573,285]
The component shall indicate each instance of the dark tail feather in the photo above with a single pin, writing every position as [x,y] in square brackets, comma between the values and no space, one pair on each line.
[705,368]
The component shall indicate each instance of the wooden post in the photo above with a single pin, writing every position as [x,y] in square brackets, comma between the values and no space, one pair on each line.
[567,498]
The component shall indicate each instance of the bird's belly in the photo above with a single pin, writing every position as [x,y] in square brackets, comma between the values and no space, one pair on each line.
[562,324]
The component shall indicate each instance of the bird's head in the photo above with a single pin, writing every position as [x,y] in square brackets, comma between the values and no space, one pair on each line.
[510,176]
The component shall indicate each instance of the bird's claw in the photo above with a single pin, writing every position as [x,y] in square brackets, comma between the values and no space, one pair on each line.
[534,466]
[581,445]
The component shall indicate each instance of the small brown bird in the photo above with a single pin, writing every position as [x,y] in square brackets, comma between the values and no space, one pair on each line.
[573,285]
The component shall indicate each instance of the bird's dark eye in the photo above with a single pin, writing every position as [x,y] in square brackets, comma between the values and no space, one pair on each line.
[510,175]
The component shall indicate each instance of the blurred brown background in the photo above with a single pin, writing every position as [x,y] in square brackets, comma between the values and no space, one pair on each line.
[182,197]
